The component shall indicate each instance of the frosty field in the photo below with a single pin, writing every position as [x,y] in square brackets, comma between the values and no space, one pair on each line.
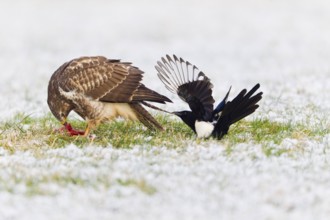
[273,165]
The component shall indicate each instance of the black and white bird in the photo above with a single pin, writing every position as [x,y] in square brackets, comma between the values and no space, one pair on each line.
[195,88]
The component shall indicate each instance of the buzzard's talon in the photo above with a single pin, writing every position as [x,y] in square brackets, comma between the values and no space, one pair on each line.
[92,137]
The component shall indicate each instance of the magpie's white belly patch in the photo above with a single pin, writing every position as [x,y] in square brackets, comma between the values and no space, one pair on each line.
[203,129]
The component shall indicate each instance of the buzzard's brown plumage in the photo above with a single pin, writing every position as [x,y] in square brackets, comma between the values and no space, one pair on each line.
[100,89]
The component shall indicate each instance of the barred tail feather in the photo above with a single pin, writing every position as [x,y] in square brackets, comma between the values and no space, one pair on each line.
[146,118]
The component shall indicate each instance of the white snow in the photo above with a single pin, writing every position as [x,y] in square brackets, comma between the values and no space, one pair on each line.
[283,45]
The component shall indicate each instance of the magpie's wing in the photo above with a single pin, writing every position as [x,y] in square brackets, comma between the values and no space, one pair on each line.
[191,85]
[241,106]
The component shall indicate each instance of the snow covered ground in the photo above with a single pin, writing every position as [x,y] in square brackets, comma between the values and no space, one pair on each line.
[284,45]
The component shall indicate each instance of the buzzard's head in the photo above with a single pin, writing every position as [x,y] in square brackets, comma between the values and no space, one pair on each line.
[58,106]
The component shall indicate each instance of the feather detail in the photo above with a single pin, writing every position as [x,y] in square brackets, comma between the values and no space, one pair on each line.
[145,94]
[146,118]
[191,85]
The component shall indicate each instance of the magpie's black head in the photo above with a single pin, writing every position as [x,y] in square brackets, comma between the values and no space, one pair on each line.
[187,117]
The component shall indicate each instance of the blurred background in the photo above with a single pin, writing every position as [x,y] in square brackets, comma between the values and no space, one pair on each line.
[284,45]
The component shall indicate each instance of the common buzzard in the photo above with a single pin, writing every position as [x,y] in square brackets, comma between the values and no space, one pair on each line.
[100,89]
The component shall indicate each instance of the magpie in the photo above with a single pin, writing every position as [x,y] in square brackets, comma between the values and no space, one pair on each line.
[195,88]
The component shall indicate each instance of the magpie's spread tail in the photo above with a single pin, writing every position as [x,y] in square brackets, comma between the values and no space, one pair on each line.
[241,106]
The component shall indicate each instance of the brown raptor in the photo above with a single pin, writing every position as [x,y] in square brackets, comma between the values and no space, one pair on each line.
[100,89]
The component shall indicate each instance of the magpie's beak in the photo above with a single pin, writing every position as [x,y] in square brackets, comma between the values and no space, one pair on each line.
[177,113]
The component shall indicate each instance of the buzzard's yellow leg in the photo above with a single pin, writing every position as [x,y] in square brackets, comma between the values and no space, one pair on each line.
[87,130]
[91,124]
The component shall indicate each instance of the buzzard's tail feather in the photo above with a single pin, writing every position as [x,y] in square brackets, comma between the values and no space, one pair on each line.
[155,107]
[241,106]
[145,94]
[146,118]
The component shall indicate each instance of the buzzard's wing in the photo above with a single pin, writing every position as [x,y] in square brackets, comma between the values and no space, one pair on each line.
[189,83]
[103,79]
[125,90]
[131,90]
[94,76]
